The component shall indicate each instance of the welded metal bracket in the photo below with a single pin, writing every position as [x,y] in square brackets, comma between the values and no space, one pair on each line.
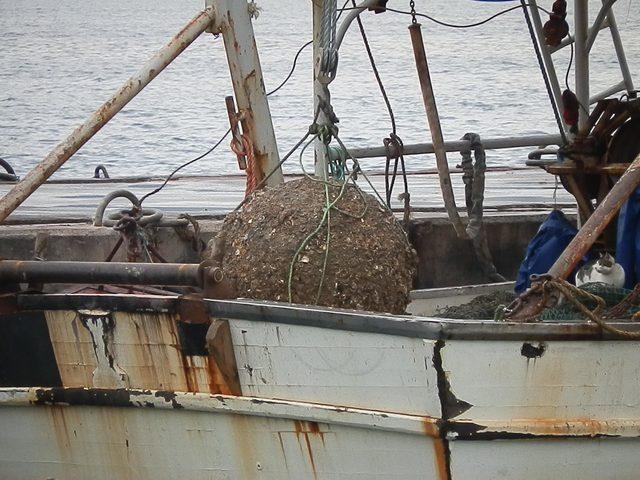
[234,123]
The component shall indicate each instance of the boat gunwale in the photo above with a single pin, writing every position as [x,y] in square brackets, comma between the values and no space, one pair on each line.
[431,328]
[467,429]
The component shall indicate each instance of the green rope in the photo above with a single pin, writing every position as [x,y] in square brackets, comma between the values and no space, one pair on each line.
[326,245]
[342,177]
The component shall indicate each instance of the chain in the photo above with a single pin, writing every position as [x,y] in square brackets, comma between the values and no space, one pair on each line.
[412,5]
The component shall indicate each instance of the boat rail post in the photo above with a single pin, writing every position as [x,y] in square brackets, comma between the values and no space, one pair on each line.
[81,135]
[581,27]
[422,67]
[248,85]
[320,92]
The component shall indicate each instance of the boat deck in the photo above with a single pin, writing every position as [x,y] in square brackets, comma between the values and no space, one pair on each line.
[508,191]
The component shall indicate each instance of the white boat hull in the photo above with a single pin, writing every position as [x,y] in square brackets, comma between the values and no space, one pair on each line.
[318,393]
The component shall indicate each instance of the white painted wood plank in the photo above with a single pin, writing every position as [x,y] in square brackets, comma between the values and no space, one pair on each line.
[570,459]
[571,380]
[381,372]
[108,443]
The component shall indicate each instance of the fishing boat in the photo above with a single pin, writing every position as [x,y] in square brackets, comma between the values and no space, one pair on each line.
[115,368]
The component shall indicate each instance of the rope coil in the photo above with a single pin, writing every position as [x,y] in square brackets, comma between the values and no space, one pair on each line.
[252,168]
[552,289]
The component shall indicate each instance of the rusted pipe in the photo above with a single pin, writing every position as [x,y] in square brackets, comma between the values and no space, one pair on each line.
[70,145]
[436,130]
[115,273]
[248,86]
[530,302]
[597,222]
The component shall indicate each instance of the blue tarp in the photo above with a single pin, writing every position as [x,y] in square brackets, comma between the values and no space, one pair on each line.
[552,238]
[628,239]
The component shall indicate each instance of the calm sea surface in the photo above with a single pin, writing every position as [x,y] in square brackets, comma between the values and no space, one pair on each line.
[61,58]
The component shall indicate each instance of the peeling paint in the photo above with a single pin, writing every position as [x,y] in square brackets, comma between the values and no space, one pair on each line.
[100,326]
[533,351]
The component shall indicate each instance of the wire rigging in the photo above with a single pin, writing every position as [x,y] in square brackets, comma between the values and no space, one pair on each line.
[293,67]
[376,73]
[468,25]
[186,164]
[284,82]
[566,76]
[394,142]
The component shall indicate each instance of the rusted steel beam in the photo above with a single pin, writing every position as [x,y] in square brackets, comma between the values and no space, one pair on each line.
[16,271]
[234,24]
[496,143]
[436,130]
[530,301]
[70,145]
[597,222]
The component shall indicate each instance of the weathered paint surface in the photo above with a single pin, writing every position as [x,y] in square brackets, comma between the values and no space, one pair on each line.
[581,459]
[106,443]
[509,380]
[428,395]
[367,370]
[143,348]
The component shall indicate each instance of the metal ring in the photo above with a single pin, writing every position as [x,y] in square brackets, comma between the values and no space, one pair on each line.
[10,176]
[98,219]
[100,168]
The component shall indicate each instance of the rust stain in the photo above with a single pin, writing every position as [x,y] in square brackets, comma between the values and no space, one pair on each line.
[284,455]
[305,428]
[440,459]
[313,463]
[244,445]
[553,426]
[430,427]
[188,368]
[61,432]
[217,383]
[314,427]
[189,373]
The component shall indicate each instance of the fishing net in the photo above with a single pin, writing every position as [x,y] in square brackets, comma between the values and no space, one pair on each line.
[612,296]
[482,307]
[620,303]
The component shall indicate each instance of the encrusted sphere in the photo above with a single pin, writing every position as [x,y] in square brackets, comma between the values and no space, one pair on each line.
[276,246]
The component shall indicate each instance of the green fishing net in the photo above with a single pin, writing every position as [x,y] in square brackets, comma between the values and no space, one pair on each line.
[488,307]
[612,296]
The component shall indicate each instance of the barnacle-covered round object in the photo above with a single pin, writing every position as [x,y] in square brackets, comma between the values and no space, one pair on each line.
[277,248]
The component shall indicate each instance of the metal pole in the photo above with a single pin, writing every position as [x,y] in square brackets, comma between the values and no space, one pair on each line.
[530,301]
[16,271]
[597,222]
[460,145]
[546,55]
[436,130]
[248,85]
[319,92]
[581,19]
[592,33]
[617,44]
[70,145]
[352,15]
